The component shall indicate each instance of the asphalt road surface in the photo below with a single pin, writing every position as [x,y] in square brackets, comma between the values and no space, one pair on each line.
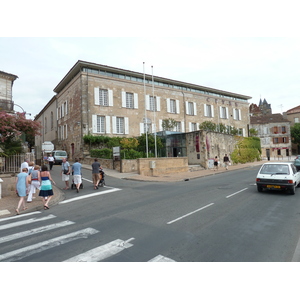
[220,218]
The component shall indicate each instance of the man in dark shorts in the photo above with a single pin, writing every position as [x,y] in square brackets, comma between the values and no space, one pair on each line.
[95,173]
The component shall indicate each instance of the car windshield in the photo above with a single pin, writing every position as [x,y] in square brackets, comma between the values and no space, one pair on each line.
[275,169]
[61,153]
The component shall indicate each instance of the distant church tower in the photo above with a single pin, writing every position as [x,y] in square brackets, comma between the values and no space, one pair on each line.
[264,107]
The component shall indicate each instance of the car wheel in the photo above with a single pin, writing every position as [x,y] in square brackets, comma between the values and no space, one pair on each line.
[293,190]
[259,189]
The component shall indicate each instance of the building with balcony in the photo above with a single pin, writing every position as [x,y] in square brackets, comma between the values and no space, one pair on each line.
[6,84]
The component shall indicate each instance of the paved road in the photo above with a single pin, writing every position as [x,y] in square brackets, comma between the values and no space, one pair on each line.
[217,218]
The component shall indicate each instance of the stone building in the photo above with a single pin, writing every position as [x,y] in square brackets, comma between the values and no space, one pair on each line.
[102,100]
[274,133]
[293,115]
[6,84]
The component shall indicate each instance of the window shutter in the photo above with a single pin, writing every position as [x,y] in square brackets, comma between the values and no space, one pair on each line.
[114,124]
[126,125]
[240,115]
[227,114]
[195,108]
[147,102]
[160,125]
[135,101]
[177,107]
[221,112]
[182,127]
[234,114]
[123,99]
[205,110]
[168,105]
[142,128]
[158,103]
[187,108]
[212,111]
[96,96]
[110,98]
[107,124]
[190,126]
[94,123]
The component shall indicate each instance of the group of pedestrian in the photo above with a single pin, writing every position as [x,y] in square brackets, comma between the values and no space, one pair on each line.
[31,178]
[66,170]
[226,162]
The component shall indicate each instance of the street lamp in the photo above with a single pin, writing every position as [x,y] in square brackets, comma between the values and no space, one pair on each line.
[25,113]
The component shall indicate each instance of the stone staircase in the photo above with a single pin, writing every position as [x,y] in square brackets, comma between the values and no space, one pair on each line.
[193,168]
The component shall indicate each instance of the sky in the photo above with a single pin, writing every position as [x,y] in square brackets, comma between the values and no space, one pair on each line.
[262,68]
[249,48]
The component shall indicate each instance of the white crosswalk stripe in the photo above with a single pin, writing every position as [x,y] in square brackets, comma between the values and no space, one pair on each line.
[20,223]
[34,231]
[102,252]
[96,254]
[42,246]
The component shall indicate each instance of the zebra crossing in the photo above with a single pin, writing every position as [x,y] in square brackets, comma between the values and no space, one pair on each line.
[35,228]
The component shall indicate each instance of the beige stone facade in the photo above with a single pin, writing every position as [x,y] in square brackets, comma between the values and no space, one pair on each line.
[293,115]
[275,135]
[101,100]
[6,84]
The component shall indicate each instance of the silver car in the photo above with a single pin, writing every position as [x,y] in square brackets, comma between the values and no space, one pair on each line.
[278,176]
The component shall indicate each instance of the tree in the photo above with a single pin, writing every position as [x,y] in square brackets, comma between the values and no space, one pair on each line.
[295,134]
[253,132]
[168,124]
[208,126]
[12,128]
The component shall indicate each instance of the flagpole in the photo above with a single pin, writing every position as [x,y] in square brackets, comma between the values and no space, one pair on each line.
[145,119]
[154,114]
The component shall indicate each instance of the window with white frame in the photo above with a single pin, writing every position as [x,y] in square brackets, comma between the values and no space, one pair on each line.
[296,120]
[190,110]
[172,106]
[208,112]
[103,97]
[193,127]
[177,127]
[223,112]
[129,100]
[237,114]
[120,125]
[101,124]
[152,103]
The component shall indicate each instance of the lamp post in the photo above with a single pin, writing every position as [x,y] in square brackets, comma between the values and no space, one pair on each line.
[24,112]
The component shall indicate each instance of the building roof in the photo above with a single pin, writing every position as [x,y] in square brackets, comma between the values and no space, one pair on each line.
[11,76]
[114,72]
[294,110]
[266,119]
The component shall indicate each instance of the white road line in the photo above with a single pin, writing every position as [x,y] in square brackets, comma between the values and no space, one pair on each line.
[89,195]
[20,216]
[15,224]
[160,258]
[34,231]
[102,252]
[39,247]
[237,193]
[190,213]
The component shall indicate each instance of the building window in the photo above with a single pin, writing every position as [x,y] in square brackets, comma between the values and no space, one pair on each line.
[223,113]
[100,124]
[103,97]
[177,127]
[129,100]
[296,120]
[275,140]
[119,125]
[51,120]
[152,103]
[208,110]
[237,114]
[283,129]
[193,127]
[172,106]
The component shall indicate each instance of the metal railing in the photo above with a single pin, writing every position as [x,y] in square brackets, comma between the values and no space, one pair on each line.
[12,164]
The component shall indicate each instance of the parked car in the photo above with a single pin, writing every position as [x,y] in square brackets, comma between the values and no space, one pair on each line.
[297,162]
[278,176]
[59,155]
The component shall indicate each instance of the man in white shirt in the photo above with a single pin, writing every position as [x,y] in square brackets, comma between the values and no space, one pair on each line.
[51,161]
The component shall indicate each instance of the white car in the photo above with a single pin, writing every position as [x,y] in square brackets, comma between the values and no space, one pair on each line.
[278,176]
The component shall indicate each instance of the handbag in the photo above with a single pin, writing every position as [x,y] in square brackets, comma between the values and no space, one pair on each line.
[66,172]
[29,179]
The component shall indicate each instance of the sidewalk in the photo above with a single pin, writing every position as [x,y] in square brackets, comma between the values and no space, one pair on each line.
[8,204]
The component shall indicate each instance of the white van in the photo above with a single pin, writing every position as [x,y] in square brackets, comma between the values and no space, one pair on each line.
[59,155]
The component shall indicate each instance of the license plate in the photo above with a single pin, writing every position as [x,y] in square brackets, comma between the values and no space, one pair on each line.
[273,186]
